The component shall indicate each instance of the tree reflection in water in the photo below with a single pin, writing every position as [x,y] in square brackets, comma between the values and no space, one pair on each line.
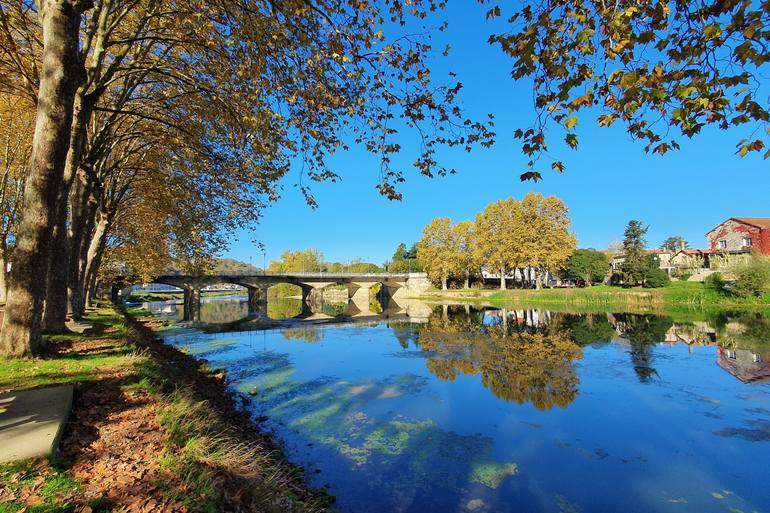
[517,361]
[309,335]
[222,311]
[642,332]
[524,355]
[284,308]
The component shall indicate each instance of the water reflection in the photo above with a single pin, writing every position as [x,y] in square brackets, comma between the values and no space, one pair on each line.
[457,408]
[517,354]
[498,343]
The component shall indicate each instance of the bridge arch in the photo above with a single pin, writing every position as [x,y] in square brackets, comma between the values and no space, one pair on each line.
[393,286]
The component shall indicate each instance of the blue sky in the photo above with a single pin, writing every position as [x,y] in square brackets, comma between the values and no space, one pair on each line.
[608,180]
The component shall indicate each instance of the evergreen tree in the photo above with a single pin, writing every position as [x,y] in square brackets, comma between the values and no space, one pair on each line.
[635,264]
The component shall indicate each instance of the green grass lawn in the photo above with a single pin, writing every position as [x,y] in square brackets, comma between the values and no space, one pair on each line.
[676,294]
[74,367]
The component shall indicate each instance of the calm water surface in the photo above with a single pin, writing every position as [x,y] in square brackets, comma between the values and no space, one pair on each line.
[492,410]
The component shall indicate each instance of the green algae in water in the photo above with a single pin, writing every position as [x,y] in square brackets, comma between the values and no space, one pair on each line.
[393,438]
[491,474]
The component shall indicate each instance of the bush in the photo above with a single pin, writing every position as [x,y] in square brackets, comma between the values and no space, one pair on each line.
[753,278]
[655,278]
[715,282]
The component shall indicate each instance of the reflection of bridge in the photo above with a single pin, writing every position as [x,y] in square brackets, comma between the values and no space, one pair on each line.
[394,286]
[402,310]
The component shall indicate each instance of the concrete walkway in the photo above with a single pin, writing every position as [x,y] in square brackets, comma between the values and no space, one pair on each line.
[31,422]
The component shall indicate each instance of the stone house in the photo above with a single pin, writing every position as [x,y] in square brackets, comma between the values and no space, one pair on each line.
[664,259]
[741,235]
[692,259]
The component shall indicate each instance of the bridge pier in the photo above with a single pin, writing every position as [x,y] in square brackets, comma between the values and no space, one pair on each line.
[192,303]
[359,292]
[257,298]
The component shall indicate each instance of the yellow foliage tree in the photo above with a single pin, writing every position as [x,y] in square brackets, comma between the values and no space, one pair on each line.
[16,124]
[437,250]
[497,237]
[529,234]
[548,242]
[464,255]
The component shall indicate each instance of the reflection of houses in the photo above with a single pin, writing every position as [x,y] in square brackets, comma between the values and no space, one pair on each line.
[698,333]
[745,364]
[522,318]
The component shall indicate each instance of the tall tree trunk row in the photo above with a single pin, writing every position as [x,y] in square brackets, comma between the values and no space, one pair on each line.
[55,314]
[61,72]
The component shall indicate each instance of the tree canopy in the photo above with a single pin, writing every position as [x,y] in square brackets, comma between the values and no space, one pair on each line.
[587,265]
[507,236]
[531,233]
[404,260]
[164,126]
[664,70]
[675,243]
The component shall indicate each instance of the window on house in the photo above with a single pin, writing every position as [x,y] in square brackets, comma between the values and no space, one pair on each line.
[747,241]
[723,244]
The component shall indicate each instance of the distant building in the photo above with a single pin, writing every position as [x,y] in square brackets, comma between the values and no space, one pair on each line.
[741,235]
[155,287]
[664,260]
[692,259]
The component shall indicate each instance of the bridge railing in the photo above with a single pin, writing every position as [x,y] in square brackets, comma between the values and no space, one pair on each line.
[296,275]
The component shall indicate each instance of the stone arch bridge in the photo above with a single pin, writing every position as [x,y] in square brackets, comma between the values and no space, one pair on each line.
[358,284]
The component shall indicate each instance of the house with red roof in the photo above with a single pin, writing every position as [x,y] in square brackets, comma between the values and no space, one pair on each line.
[741,235]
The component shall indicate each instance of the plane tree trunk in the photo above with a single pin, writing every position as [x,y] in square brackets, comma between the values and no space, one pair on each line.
[94,256]
[61,72]
[83,206]
[56,304]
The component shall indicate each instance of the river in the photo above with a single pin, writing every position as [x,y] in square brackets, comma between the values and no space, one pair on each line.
[459,408]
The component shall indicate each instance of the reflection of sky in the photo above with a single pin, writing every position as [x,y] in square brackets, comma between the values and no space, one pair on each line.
[387,435]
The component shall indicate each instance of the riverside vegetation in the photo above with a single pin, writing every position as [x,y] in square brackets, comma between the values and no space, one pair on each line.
[151,428]
[677,294]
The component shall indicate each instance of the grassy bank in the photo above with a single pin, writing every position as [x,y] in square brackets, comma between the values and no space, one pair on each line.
[677,294]
[151,429]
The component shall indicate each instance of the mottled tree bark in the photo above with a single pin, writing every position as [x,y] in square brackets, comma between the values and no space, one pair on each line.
[3,281]
[502,278]
[95,252]
[61,72]
[55,315]
[83,209]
